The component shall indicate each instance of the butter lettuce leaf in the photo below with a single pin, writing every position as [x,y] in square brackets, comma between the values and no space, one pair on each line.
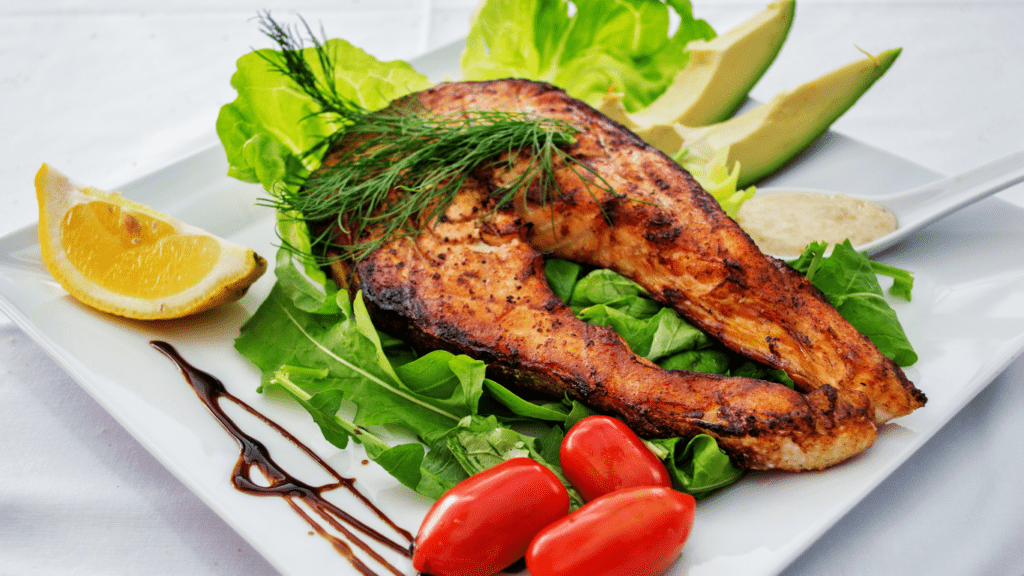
[587,47]
[272,130]
[272,124]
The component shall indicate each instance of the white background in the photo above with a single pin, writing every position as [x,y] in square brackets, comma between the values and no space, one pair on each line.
[107,91]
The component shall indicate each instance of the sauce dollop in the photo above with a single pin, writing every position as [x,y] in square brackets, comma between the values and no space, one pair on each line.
[783,224]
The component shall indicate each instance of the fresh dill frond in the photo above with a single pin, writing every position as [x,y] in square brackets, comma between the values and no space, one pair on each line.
[399,168]
[319,85]
[322,88]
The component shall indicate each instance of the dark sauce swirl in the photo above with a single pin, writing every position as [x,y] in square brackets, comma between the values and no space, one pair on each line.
[282,484]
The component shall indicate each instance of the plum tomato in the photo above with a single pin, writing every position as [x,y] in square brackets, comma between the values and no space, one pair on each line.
[601,454]
[484,523]
[637,531]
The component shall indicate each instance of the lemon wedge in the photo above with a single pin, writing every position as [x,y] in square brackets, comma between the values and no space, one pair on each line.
[127,259]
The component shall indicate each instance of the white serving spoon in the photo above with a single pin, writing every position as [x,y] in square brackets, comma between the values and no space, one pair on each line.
[918,207]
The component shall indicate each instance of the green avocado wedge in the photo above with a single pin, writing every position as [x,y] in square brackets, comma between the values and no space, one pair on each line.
[767,137]
[720,73]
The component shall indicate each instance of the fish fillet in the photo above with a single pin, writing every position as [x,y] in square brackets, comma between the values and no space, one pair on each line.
[473,283]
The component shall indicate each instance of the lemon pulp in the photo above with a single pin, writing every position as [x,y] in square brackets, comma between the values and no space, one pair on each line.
[132,253]
[128,259]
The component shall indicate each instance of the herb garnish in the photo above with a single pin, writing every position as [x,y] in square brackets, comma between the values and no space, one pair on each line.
[401,167]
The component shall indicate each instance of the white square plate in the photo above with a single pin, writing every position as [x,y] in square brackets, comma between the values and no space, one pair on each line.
[966,322]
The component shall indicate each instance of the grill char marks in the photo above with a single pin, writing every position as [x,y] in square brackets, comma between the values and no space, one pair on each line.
[490,300]
[711,272]
[473,283]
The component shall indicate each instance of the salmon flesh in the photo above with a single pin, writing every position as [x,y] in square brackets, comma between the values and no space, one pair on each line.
[473,282]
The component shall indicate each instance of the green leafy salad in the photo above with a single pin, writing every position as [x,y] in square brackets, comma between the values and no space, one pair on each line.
[317,343]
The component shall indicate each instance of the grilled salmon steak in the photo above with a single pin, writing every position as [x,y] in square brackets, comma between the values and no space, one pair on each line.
[473,283]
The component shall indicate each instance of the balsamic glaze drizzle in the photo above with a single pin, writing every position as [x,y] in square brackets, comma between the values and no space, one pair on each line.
[253,453]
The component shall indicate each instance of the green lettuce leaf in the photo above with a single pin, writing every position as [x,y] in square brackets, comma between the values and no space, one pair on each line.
[271,128]
[654,337]
[718,178]
[429,473]
[481,443]
[272,124]
[697,466]
[710,361]
[848,279]
[619,45]
[281,334]
[604,298]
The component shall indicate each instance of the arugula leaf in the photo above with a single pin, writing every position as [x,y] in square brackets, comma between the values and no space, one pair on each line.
[303,281]
[606,45]
[279,333]
[323,359]
[902,280]
[455,383]
[848,280]
[429,473]
[551,412]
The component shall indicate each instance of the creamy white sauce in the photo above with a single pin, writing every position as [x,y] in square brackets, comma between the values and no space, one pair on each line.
[783,224]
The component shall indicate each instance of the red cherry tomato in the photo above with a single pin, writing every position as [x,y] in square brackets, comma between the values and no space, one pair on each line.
[636,531]
[485,522]
[601,454]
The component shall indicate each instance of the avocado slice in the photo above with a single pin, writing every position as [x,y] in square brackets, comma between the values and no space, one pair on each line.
[720,73]
[765,138]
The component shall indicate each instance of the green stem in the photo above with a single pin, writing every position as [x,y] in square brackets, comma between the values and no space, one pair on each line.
[386,386]
[373,444]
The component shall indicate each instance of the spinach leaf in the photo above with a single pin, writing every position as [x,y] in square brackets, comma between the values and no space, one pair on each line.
[848,279]
[479,443]
[711,361]
[562,276]
[697,465]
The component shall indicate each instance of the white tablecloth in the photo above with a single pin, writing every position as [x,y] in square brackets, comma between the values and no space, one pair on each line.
[110,90]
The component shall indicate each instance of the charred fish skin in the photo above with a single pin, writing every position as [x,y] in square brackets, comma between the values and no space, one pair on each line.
[665,232]
[480,290]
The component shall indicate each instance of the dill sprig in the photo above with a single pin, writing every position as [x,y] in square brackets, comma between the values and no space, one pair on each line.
[321,87]
[399,168]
